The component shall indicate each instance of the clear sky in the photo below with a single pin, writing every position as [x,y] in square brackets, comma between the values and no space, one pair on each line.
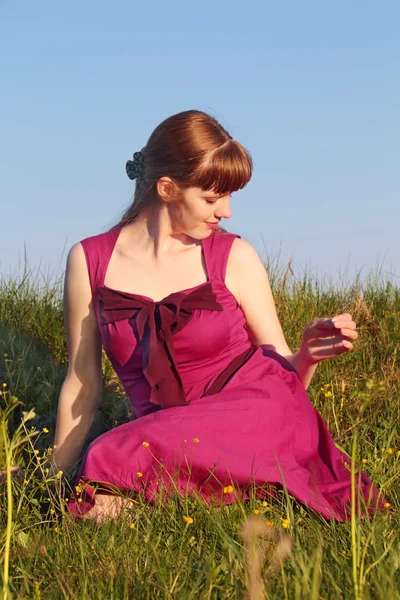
[311,88]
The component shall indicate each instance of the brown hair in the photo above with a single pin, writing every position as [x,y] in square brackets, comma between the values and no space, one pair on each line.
[194,150]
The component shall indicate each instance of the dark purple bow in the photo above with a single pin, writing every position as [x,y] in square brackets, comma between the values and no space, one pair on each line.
[156,323]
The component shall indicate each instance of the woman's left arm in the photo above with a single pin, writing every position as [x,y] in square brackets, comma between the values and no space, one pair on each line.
[323,338]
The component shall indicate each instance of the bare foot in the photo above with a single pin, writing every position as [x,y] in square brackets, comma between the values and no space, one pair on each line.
[107,507]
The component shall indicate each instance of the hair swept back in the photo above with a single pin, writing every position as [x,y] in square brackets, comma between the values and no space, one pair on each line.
[194,150]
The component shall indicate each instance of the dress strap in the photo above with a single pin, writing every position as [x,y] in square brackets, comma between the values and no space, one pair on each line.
[216,251]
[98,250]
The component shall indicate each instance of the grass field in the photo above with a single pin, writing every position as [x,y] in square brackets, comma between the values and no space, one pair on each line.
[183,548]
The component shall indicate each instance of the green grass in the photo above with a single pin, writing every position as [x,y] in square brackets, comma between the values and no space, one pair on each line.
[162,556]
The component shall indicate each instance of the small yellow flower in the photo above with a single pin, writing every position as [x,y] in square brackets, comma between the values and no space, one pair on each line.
[228,489]
[25,482]
[132,525]
[5,355]
[36,451]
[322,389]
[52,511]
[139,474]
[56,529]
[80,500]
[78,489]
[66,499]
[4,385]
[269,523]
[328,394]
[256,511]
[145,444]
[55,446]
[196,440]
[188,520]
[285,523]
[326,385]
[363,539]
[45,430]
[59,474]
[387,505]
[364,461]
[264,503]
[390,450]
[38,369]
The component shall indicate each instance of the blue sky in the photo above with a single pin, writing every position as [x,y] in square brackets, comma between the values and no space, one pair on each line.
[312,89]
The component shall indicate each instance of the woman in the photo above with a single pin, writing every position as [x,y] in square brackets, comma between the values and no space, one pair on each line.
[186,315]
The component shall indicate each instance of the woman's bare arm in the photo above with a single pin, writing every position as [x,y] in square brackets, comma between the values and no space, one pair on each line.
[248,276]
[81,390]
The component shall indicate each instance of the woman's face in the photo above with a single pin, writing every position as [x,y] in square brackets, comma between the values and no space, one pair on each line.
[197,210]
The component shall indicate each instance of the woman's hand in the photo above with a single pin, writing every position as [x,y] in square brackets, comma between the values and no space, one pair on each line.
[16,472]
[327,337]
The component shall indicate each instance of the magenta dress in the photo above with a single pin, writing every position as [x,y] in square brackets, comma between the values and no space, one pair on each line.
[214,414]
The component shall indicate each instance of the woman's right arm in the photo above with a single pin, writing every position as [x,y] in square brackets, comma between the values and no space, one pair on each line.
[81,390]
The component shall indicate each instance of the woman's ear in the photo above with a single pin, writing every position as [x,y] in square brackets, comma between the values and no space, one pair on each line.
[167,190]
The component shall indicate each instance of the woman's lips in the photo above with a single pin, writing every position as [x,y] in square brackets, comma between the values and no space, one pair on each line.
[212,225]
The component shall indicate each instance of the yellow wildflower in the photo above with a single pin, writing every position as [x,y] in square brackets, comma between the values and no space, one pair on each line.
[78,489]
[4,385]
[285,523]
[328,394]
[326,385]
[80,500]
[364,461]
[5,355]
[264,503]
[228,489]
[55,446]
[56,529]
[196,440]
[188,520]
[269,523]
[145,444]
[387,505]
[322,389]
[45,430]
[36,451]
[363,539]
[139,474]
[59,474]
[256,511]
[52,511]
[390,450]
[132,525]
[25,482]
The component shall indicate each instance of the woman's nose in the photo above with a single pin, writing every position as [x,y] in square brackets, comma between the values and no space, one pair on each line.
[224,209]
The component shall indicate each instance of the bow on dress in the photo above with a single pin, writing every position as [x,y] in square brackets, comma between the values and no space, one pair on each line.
[156,323]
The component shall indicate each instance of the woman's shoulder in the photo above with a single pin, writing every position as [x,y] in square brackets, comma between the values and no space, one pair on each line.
[99,239]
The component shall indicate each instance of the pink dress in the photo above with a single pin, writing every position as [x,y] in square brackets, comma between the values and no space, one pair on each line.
[212,411]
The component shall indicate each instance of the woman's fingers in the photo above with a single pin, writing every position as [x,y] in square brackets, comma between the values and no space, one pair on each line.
[15,471]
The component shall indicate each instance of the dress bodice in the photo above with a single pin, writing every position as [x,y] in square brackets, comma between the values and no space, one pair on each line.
[170,352]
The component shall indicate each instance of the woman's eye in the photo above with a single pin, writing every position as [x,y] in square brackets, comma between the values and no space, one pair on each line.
[211,201]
